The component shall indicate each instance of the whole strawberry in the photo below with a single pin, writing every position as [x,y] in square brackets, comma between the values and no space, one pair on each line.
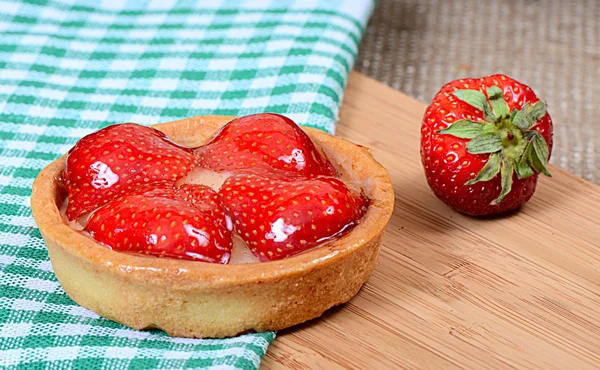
[264,141]
[483,143]
[184,222]
[117,160]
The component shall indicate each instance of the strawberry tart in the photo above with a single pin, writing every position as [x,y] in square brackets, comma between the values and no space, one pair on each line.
[213,226]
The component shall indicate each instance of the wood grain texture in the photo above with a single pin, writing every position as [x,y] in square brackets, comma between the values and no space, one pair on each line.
[450,291]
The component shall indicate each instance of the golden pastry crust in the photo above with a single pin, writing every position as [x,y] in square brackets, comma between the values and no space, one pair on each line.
[194,299]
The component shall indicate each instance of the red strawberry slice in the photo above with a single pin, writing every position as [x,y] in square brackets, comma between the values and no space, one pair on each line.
[279,217]
[264,141]
[117,160]
[184,222]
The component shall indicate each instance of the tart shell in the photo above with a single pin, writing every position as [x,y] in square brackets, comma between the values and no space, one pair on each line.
[195,299]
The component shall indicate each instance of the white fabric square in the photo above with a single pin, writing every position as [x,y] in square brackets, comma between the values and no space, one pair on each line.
[191,34]
[176,355]
[303,97]
[269,62]
[4,259]
[15,240]
[173,64]
[258,4]
[336,35]
[13,330]
[12,74]
[113,83]
[102,98]
[164,84]
[112,4]
[268,82]
[48,29]
[29,129]
[277,45]
[20,145]
[161,4]
[62,80]
[295,18]
[11,356]
[83,46]
[35,40]
[27,305]
[48,13]
[256,102]
[78,132]
[16,162]
[23,58]
[94,115]
[62,353]
[77,64]
[123,65]
[317,60]
[222,64]
[102,18]
[133,48]
[5,180]
[155,102]
[42,285]
[199,19]
[208,85]
[185,48]
[44,112]
[240,33]
[72,329]
[232,48]
[142,34]
[7,89]
[288,30]
[10,8]
[205,103]
[120,352]
[152,19]
[92,32]
[248,17]
[305,4]
[311,78]
[214,4]
[327,47]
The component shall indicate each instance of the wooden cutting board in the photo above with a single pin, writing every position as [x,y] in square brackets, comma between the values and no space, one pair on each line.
[450,291]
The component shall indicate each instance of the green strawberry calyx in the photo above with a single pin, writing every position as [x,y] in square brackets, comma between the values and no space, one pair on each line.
[507,136]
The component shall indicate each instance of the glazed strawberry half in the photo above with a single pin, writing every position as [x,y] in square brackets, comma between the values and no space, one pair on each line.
[185,222]
[264,141]
[278,217]
[483,143]
[117,160]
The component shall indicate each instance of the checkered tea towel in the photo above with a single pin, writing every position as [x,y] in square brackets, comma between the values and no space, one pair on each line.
[70,67]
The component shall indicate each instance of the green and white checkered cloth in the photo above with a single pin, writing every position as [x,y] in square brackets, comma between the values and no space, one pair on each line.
[68,68]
